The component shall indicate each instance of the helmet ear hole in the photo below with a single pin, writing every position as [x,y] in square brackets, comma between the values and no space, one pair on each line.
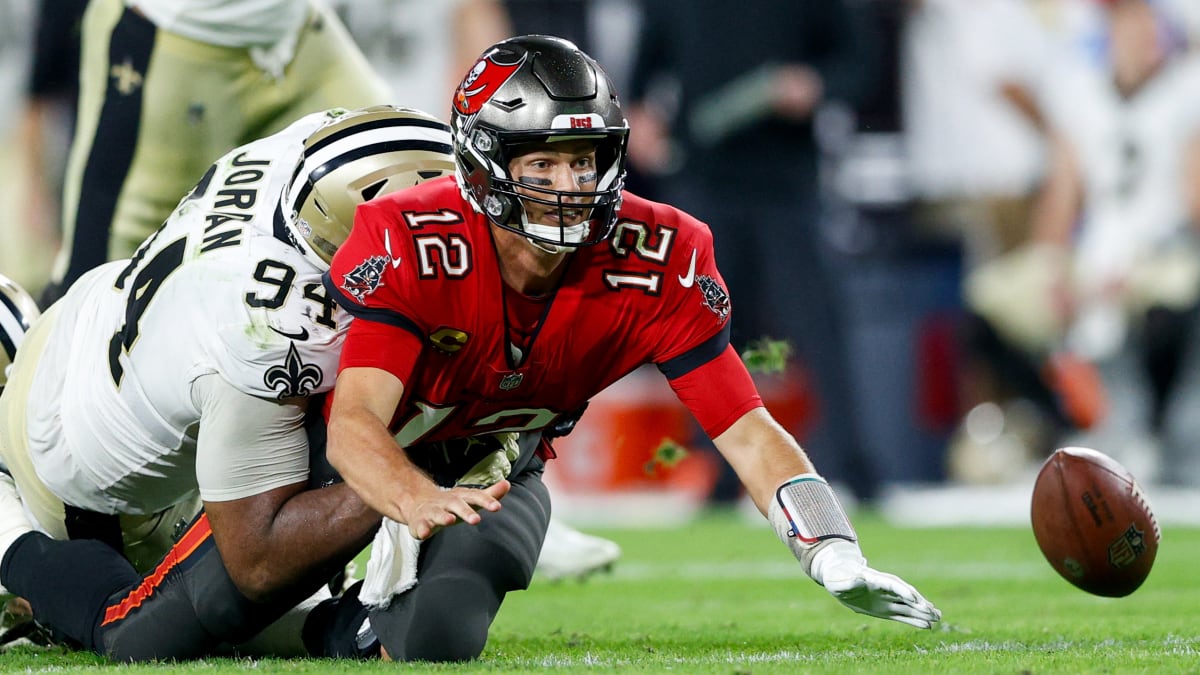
[372,191]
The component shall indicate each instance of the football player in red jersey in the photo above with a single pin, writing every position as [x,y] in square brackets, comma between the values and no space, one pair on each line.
[499,301]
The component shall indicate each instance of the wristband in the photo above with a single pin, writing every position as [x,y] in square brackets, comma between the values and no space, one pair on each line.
[806,516]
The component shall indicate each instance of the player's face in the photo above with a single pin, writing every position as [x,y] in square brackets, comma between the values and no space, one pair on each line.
[565,166]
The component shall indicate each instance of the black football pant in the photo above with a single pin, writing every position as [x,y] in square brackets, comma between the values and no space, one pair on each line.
[463,574]
[187,607]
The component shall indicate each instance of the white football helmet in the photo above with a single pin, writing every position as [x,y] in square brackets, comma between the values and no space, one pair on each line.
[17,312]
[357,156]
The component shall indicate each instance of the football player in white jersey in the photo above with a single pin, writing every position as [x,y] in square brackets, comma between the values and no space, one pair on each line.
[1113,272]
[184,375]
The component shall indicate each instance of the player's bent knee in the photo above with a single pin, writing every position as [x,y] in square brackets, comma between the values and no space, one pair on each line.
[453,625]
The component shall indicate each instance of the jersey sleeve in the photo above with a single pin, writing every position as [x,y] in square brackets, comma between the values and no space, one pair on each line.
[371,344]
[717,392]
[246,445]
[696,306]
[367,277]
[278,334]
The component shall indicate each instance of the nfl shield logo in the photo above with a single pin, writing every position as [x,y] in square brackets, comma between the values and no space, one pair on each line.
[511,381]
[1125,550]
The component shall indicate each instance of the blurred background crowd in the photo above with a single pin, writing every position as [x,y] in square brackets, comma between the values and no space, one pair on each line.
[973,221]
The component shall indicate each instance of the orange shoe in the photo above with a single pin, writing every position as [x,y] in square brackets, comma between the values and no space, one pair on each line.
[1079,388]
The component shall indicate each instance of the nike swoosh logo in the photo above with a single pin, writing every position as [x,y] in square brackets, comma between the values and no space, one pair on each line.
[301,336]
[687,281]
[387,246]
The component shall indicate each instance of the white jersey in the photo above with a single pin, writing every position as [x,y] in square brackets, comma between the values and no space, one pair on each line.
[223,288]
[228,23]
[1132,155]
[410,43]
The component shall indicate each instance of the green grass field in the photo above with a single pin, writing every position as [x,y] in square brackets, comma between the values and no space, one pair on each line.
[724,596]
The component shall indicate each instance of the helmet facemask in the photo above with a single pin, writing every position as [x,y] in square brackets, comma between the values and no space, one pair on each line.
[593,212]
[536,89]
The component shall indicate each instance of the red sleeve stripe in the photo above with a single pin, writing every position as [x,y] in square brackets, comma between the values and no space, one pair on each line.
[199,532]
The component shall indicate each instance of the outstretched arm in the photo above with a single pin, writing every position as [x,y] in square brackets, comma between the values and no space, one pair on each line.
[808,518]
[785,486]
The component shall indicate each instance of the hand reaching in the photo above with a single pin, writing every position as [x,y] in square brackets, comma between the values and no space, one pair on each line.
[443,508]
[843,571]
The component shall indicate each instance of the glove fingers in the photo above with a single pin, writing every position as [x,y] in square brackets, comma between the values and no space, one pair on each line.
[896,589]
[896,586]
[912,621]
[887,597]
[926,612]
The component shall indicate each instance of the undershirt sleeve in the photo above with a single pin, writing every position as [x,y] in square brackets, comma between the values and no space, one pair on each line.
[246,445]
[718,392]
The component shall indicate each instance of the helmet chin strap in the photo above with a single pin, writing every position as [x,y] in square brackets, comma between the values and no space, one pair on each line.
[552,249]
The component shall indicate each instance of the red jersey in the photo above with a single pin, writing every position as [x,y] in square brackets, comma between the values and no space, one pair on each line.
[420,274]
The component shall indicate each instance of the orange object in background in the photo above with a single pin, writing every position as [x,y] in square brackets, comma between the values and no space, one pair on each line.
[1079,388]
[613,447]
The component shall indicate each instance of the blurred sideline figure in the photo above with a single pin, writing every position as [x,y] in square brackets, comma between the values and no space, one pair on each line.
[1111,272]
[186,374]
[27,163]
[167,87]
[50,99]
[736,139]
[420,49]
[978,147]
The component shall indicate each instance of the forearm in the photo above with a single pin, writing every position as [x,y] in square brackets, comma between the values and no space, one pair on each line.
[371,462]
[314,533]
[763,454]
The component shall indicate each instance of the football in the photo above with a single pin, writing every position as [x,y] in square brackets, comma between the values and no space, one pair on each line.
[1092,522]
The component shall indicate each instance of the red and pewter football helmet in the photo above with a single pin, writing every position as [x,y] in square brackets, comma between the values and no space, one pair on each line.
[17,312]
[537,88]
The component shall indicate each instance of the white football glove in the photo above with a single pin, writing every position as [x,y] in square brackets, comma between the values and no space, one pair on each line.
[840,567]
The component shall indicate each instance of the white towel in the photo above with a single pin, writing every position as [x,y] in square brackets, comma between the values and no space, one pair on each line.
[392,568]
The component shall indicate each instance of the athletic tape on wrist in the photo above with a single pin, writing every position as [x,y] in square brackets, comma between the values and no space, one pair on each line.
[806,515]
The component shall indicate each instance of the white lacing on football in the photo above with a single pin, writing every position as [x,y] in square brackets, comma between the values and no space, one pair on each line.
[1135,491]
